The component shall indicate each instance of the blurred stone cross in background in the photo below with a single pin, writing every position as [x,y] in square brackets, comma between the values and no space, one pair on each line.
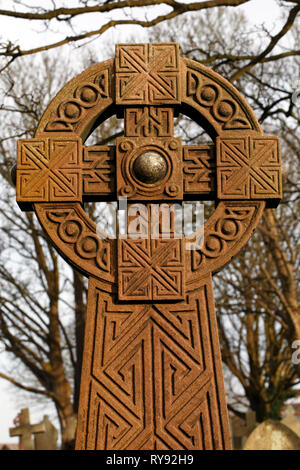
[25,430]
[152,370]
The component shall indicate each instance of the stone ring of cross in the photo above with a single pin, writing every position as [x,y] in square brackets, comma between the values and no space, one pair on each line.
[152,370]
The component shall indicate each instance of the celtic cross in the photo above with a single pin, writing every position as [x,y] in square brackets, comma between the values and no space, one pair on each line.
[152,369]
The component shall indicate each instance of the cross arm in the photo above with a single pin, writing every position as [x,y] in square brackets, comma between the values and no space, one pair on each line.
[236,168]
[60,169]
[17,431]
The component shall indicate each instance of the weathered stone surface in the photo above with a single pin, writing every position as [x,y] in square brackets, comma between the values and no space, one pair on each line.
[148,74]
[48,439]
[249,168]
[49,169]
[128,152]
[26,430]
[291,421]
[152,369]
[272,435]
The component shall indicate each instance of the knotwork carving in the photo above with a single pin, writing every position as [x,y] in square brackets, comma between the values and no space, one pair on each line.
[193,74]
[222,232]
[70,230]
[79,240]
[216,100]
[79,102]
[86,96]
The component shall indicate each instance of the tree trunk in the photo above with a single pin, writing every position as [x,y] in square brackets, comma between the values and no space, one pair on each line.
[287,289]
[60,384]
[80,307]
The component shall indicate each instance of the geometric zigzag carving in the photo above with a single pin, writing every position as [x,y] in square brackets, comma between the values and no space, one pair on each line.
[248,167]
[147,74]
[150,377]
[49,170]
[150,269]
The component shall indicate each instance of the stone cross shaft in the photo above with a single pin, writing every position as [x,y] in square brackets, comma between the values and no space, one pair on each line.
[152,370]
[26,430]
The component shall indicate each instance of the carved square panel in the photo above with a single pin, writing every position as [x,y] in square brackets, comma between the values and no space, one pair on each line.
[98,171]
[147,74]
[151,269]
[149,121]
[49,170]
[249,168]
[149,168]
[199,168]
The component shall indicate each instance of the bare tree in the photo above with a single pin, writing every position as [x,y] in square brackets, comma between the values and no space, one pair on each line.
[42,301]
[144,13]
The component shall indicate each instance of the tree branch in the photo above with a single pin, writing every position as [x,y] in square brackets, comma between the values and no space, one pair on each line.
[68,13]
[274,41]
[177,9]
[39,391]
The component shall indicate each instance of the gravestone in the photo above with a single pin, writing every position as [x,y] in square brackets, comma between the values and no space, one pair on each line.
[25,430]
[272,435]
[290,420]
[48,439]
[152,370]
[240,429]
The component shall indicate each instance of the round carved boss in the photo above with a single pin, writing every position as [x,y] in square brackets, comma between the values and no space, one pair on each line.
[207,98]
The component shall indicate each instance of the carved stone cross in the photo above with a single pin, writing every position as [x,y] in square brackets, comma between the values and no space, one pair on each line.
[26,430]
[152,369]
